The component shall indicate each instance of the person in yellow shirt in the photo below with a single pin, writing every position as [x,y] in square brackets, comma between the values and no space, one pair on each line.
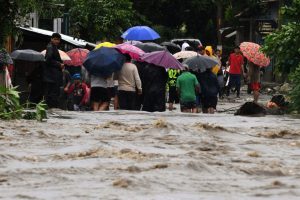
[209,52]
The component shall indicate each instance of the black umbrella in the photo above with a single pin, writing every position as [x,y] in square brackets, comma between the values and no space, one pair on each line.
[150,47]
[201,62]
[172,47]
[28,55]
[5,59]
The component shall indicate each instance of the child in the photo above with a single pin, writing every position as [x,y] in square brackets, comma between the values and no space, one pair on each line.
[79,92]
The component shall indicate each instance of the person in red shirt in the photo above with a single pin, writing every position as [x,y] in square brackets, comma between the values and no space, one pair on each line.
[79,91]
[236,62]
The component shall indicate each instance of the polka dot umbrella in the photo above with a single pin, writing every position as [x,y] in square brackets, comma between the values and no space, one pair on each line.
[252,52]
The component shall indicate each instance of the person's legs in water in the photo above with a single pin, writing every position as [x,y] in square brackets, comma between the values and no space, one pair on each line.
[230,84]
[103,106]
[255,87]
[211,110]
[255,96]
[238,85]
[52,93]
[96,106]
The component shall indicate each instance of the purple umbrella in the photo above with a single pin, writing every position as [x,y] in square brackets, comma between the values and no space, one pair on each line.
[163,59]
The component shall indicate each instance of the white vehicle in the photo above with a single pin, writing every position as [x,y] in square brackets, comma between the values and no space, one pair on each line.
[192,42]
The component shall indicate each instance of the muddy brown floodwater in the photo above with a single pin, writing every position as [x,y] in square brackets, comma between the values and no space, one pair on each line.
[131,155]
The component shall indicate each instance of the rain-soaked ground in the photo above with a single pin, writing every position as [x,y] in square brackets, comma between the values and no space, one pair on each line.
[138,155]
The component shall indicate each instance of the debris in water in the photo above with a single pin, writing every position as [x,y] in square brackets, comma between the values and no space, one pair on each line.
[160,166]
[123,183]
[160,123]
[253,154]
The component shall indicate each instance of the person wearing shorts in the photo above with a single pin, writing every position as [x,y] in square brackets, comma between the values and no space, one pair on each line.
[187,86]
[173,96]
[100,97]
[254,79]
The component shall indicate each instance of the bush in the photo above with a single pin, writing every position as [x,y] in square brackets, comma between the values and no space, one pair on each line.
[295,92]
[10,107]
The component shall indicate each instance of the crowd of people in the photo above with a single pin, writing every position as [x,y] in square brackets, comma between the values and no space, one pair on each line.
[143,86]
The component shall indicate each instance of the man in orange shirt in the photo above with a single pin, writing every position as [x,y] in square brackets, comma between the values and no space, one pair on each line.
[236,62]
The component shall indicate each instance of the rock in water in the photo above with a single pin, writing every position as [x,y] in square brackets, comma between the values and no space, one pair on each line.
[251,109]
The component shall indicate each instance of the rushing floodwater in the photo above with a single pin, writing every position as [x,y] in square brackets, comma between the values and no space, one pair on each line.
[131,155]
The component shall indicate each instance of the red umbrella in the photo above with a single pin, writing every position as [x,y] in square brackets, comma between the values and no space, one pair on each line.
[133,51]
[252,52]
[77,56]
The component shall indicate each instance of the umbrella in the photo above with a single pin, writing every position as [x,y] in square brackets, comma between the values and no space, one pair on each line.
[28,55]
[133,42]
[5,59]
[185,54]
[63,55]
[77,55]
[172,47]
[105,44]
[150,47]
[200,62]
[104,61]
[134,52]
[162,58]
[252,52]
[140,33]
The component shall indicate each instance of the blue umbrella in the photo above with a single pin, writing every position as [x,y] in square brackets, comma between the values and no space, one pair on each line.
[140,33]
[104,61]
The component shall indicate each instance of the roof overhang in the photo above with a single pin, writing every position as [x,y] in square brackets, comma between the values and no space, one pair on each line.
[69,39]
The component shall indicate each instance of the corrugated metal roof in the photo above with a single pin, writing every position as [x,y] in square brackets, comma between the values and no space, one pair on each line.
[75,41]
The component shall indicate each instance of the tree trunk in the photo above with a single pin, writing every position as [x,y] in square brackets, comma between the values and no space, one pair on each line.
[219,21]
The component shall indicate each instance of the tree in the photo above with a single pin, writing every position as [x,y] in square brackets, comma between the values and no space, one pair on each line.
[13,14]
[100,20]
[284,46]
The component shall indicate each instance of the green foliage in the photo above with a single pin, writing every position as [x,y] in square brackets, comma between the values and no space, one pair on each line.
[100,20]
[41,111]
[10,107]
[13,14]
[295,92]
[284,44]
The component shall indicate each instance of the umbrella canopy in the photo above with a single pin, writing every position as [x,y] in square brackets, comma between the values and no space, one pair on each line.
[172,47]
[150,47]
[104,61]
[134,52]
[200,62]
[28,55]
[133,42]
[163,59]
[5,59]
[185,54]
[140,33]
[63,55]
[252,52]
[77,55]
[105,44]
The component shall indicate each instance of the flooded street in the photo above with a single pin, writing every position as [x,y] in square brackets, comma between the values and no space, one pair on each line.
[138,155]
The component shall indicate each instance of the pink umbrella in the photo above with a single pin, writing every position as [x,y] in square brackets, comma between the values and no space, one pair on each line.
[163,59]
[252,52]
[134,52]
[77,56]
